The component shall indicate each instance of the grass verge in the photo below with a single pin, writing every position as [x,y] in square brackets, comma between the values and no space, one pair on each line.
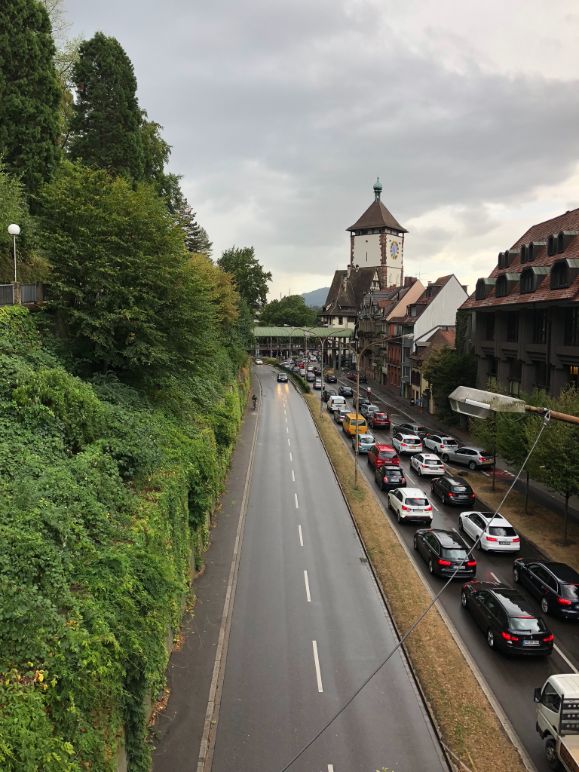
[464,715]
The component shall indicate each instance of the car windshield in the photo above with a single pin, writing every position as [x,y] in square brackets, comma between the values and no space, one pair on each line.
[454,553]
[423,429]
[448,441]
[415,502]
[387,454]
[431,462]
[501,530]
[358,422]
[570,591]
[410,440]
[459,488]
[527,624]
[394,474]
[379,415]
[485,453]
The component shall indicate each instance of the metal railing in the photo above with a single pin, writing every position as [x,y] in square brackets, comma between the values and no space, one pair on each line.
[25,294]
[6,294]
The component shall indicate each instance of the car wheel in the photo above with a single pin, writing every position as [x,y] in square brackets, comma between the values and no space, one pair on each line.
[420,472]
[368,460]
[431,566]
[491,639]
[463,600]
[471,465]
[445,456]
[390,505]
[415,543]
[516,575]
[444,499]
[544,605]
[398,516]
[479,545]
[460,526]
[551,754]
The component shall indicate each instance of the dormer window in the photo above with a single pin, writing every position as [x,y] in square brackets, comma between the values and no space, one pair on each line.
[503,260]
[501,286]
[552,246]
[560,275]
[481,290]
[524,253]
[563,239]
[528,280]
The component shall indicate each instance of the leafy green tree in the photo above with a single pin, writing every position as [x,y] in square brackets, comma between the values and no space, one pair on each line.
[29,93]
[248,275]
[446,369]
[290,310]
[126,294]
[106,126]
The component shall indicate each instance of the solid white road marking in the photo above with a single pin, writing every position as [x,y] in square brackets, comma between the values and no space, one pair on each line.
[317,665]
[308,596]
[291,457]
[568,661]
[293,476]
[296,498]
[301,536]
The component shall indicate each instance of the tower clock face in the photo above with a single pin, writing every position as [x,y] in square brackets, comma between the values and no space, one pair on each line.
[394,250]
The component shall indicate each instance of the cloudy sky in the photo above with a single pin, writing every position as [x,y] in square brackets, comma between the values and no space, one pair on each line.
[281,113]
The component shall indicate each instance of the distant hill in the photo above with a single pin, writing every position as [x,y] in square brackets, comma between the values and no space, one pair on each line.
[316,297]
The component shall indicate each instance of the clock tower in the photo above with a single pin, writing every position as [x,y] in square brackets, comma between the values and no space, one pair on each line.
[377,239]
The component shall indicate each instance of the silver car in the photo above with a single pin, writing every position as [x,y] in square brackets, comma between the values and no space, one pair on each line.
[365,442]
[474,458]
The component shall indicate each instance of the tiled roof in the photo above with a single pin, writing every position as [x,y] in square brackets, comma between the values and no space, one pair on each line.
[377,216]
[346,292]
[568,222]
[440,339]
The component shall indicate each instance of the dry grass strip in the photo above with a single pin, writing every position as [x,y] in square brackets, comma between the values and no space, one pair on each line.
[462,711]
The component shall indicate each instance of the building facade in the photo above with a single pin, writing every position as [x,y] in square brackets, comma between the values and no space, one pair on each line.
[524,317]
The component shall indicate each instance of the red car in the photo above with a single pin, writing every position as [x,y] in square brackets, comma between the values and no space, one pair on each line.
[380,454]
[379,421]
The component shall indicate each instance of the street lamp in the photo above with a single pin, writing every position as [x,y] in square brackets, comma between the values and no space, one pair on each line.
[481,404]
[14,230]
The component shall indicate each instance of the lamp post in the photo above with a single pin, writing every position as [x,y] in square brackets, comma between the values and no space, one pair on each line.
[308,331]
[14,231]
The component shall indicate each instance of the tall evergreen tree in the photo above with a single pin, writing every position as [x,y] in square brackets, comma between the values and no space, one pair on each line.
[29,93]
[196,238]
[106,125]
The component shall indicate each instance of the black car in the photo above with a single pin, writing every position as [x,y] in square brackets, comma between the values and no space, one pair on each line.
[555,584]
[327,393]
[389,477]
[506,618]
[444,552]
[330,378]
[346,391]
[416,429]
[453,490]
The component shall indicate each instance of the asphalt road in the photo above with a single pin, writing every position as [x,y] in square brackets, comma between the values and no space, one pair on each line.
[309,624]
[512,680]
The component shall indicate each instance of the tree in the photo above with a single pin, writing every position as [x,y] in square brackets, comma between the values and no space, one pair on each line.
[248,275]
[445,369]
[106,126]
[30,93]
[290,310]
[126,294]
[196,238]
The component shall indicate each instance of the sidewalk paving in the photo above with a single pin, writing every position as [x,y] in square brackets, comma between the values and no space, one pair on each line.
[548,497]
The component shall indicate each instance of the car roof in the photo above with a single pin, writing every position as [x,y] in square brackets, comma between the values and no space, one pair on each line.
[471,447]
[454,479]
[430,456]
[498,520]
[510,599]
[366,437]
[561,570]
[413,492]
[448,538]
[407,434]
[384,446]
[392,468]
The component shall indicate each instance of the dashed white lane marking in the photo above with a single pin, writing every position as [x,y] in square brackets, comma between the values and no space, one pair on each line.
[301,536]
[567,660]
[330,768]
[495,577]
[307,583]
[291,457]
[296,499]
[293,476]
[287,429]
[317,666]
[289,442]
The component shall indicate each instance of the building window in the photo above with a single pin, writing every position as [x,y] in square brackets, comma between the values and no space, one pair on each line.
[540,375]
[502,261]
[489,326]
[571,327]
[481,291]
[573,377]
[501,287]
[560,242]
[340,320]
[539,327]
[512,327]
[551,246]
[527,280]
[560,275]
[524,253]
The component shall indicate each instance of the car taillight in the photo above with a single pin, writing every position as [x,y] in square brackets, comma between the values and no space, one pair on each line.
[491,538]
[516,538]
[471,563]
[428,508]
[509,637]
[549,638]
[563,602]
[450,494]
[405,508]
[444,562]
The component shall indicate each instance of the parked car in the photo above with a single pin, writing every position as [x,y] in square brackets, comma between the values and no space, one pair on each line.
[363,441]
[439,442]
[427,464]
[556,585]
[330,378]
[496,534]
[282,377]
[346,391]
[407,443]
[382,454]
[354,423]
[367,408]
[327,393]
[340,414]
[453,490]
[411,428]
[507,619]
[389,476]
[445,553]
[379,420]
[474,458]
[318,384]
[410,504]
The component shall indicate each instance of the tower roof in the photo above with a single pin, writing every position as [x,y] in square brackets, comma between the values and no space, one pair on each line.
[377,216]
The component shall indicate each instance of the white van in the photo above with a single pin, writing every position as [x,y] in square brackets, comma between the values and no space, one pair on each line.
[335,402]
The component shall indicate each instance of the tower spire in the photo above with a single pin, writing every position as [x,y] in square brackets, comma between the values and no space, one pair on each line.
[377,189]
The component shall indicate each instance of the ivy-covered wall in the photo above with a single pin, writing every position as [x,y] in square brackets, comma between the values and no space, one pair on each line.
[105,499]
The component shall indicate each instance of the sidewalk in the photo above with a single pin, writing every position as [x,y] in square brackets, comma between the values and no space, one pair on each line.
[537,490]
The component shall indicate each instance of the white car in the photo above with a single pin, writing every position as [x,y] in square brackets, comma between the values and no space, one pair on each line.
[440,443]
[410,504]
[496,533]
[407,443]
[427,464]
[259,361]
